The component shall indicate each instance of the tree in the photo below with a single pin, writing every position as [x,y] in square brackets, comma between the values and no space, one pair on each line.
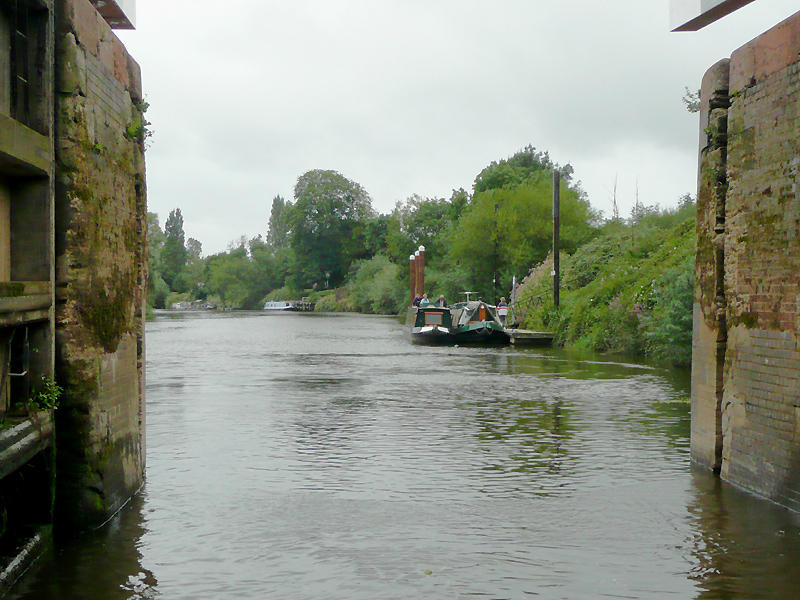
[173,253]
[157,287]
[526,166]
[327,227]
[192,277]
[242,276]
[422,222]
[279,229]
[506,230]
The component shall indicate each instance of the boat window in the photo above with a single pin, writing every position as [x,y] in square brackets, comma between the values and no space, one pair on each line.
[433,318]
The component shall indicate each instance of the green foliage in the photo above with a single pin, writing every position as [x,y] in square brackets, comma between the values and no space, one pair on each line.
[668,334]
[527,166]
[373,286]
[279,231]
[423,222]
[284,293]
[691,100]
[327,224]
[589,259]
[629,290]
[242,276]
[46,396]
[138,130]
[173,252]
[336,301]
[504,231]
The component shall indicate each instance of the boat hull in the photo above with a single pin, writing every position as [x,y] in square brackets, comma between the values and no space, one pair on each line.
[482,332]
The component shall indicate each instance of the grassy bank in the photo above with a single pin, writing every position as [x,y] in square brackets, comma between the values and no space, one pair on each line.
[629,290]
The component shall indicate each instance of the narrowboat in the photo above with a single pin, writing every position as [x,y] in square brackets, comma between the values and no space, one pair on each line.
[429,324]
[476,321]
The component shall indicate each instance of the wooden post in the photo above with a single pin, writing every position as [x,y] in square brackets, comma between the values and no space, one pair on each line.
[556,232]
[413,277]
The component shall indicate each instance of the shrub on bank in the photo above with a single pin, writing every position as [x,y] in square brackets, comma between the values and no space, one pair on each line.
[630,290]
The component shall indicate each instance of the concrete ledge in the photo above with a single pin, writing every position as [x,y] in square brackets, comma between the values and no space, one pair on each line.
[119,14]
[24,301]
[519,337]
[22,150]
[692,15]
[21,442]
[27,553]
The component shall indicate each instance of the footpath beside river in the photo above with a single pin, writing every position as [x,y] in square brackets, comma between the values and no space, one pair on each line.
[323,456]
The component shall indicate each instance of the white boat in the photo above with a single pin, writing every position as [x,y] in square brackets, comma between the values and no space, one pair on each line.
[281,305]
[304,305]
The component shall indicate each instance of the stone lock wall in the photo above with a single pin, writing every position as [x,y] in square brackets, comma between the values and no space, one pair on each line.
[746,359]
[100,267]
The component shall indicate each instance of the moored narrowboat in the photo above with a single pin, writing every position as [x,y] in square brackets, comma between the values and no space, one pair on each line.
[429,324]
[476,322]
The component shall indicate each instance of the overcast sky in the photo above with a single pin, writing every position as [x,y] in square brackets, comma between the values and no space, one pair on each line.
[416,97]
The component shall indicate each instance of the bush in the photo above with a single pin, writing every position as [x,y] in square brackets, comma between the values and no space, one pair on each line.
[629,290]
[375,286]
[668,333]
[159,290]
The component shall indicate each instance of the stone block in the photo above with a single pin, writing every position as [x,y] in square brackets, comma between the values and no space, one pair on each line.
[72,72]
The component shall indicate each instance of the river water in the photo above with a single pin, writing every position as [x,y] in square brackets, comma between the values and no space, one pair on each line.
[305,456]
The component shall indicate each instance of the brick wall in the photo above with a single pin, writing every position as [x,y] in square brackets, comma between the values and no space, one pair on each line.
[748,226]
[100,278]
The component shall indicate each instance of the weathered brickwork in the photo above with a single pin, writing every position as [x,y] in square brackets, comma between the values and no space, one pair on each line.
[100,278]
[746,416]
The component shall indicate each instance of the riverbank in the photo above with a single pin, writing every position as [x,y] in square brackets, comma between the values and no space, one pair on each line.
[629,291]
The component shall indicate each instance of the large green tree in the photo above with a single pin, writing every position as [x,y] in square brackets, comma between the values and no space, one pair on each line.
[327,224]
[173,252]
[279,228]
[525,166]
[508,225]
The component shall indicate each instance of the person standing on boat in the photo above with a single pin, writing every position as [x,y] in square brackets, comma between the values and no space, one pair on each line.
[416,301]
[502,310]
[424,302]
[441,302]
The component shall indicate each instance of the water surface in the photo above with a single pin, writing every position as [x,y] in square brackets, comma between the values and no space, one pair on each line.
[305,456]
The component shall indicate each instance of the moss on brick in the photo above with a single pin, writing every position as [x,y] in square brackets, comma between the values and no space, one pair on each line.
[11,289]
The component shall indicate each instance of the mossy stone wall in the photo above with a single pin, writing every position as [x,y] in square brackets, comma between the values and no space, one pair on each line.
[746,390]
[100,268]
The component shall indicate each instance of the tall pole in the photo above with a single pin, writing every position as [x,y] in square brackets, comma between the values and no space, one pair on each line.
[421,271]
[417,291]
[556,233]
[413,276]
[494,274]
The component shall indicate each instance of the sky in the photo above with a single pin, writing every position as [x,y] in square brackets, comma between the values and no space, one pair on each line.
[416,97]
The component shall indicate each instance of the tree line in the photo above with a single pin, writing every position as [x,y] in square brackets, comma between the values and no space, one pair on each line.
[329,237]
[627,282]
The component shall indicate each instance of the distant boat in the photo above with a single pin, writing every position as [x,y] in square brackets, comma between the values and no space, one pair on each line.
[289,305]
[280,305]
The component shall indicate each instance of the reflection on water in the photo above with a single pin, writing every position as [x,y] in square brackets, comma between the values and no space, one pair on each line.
[323,456]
